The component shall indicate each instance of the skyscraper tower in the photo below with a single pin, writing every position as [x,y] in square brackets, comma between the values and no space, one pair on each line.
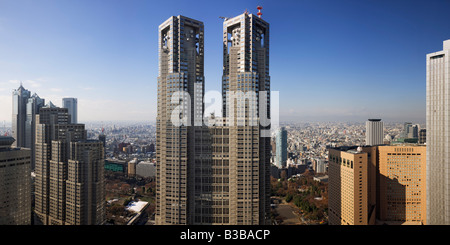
[72,105]
[438,137]
[69,186]
[245,80]
[85,186]
[34,104]
[213,174]
[25,108]
[19,115]
[374,132]
[281,145]
[179,130]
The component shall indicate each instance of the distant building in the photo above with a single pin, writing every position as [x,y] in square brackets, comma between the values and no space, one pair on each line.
[72,105]
[152,148]
[146,169]
[438,137]
[422,136]
[406,129]
[374,132]
[15,184]
[321,178]
[410,131]
[413,131]
[34,104]
[281,147]
[19,115]
[319,166]
[132,167]
[116,165]
[123,147]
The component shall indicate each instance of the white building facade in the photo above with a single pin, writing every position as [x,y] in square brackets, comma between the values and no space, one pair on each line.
[438,137]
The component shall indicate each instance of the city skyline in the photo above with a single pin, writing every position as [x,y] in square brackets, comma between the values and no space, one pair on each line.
[302,113]
[356,60]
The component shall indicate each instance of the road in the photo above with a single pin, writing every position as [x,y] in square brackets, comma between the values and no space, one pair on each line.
[288,215]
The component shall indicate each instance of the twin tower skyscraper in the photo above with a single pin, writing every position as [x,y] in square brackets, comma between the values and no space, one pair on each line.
[215,169]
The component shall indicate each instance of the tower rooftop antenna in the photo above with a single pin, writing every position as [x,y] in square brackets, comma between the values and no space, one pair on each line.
[259,11]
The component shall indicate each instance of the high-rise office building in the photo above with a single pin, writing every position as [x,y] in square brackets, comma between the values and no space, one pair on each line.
[69,171]
[406,128]
[348,187]
[422,136]
[245,77]
[410,130]
[25,107]
[438,136]
[377,185]
[20,98]
[374,132]
[34,104]
[15,184]
[85,184]
[413,131]
[72,105]
[211,174]
[178,138]
[402,184]
[281,145]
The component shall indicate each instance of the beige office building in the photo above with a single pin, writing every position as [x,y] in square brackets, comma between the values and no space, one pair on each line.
[61,177]
[132,167]
[377,185]
[438,136]
[15,183]
[348,187]
[85,185]
[402,184]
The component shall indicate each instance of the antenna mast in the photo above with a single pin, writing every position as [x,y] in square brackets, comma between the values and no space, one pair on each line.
[259,11]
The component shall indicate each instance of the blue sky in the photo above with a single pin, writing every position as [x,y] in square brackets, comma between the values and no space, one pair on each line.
[330,60]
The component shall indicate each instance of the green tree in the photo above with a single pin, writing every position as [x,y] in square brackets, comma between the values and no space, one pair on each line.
[288,197]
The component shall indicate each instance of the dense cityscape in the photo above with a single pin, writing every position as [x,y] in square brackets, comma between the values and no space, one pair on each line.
[131,144]
[236,166]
